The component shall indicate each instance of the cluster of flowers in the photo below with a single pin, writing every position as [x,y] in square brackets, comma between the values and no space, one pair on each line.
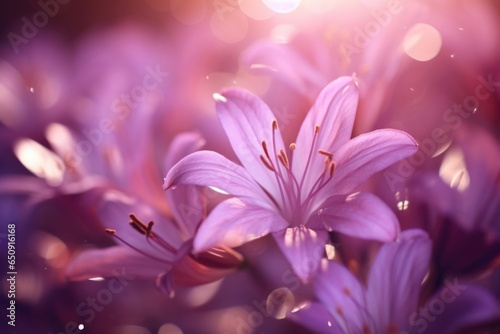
[381,216]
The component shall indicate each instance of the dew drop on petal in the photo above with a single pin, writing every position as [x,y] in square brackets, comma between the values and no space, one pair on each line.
[81,327]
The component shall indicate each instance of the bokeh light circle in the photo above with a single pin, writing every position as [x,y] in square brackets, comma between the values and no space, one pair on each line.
[422,42]
[282,6]
[230,26]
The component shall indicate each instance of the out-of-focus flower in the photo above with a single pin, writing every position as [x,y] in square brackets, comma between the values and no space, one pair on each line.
[460,206]
[389,301]
[385,304]
[375,40]
[298,198]
[161,248]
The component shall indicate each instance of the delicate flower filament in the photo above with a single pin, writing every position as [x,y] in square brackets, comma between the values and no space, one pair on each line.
[152,238]
[289,187]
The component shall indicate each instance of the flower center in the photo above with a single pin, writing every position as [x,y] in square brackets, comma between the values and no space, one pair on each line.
[294,205]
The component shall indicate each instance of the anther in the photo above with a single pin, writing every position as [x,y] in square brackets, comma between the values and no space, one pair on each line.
[110,231]
[264,147]
[137,227]
[284,159]
[137,221]
[266,163]
[149,228]
[316,129]
[275,125]
[323,152]
[332,169]
[292,146]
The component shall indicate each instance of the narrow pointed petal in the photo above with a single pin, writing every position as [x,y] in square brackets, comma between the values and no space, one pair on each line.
[266,57]
[344,296]
[105,262]
[247,121]
[368,154]
[234,222]
[303,249]
[181,146]
[395,278]
[316,317]
[184,202]
[334,112]
[361,215]
[210,169]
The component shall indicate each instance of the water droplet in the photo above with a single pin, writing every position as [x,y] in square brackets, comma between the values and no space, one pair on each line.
[81,327]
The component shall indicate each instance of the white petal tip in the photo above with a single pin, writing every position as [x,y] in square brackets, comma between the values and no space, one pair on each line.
[219,98]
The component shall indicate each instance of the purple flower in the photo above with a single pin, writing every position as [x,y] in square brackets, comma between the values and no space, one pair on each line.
[389,302]
[159,247]
[297,193]
[384,305]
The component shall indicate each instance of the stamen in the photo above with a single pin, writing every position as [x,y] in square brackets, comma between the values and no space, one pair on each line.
[316,129]
[110,231]
[137,224]
[113,233]
[292,146]
[266,163]
[136,227]
[264,147]
[275,125]
[332,169]
[149,229]
[284,159]
[323,152]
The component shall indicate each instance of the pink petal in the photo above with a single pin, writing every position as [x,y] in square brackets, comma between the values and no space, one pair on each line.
[184,202]
[395,278]
[366,155]
[334,112]
[267,56]
[316,317]
[303,247]
[233,222]
[361,215]
[247,121]
[181,146]
[344,296]
[104,262]
[210,169]
[189,271]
